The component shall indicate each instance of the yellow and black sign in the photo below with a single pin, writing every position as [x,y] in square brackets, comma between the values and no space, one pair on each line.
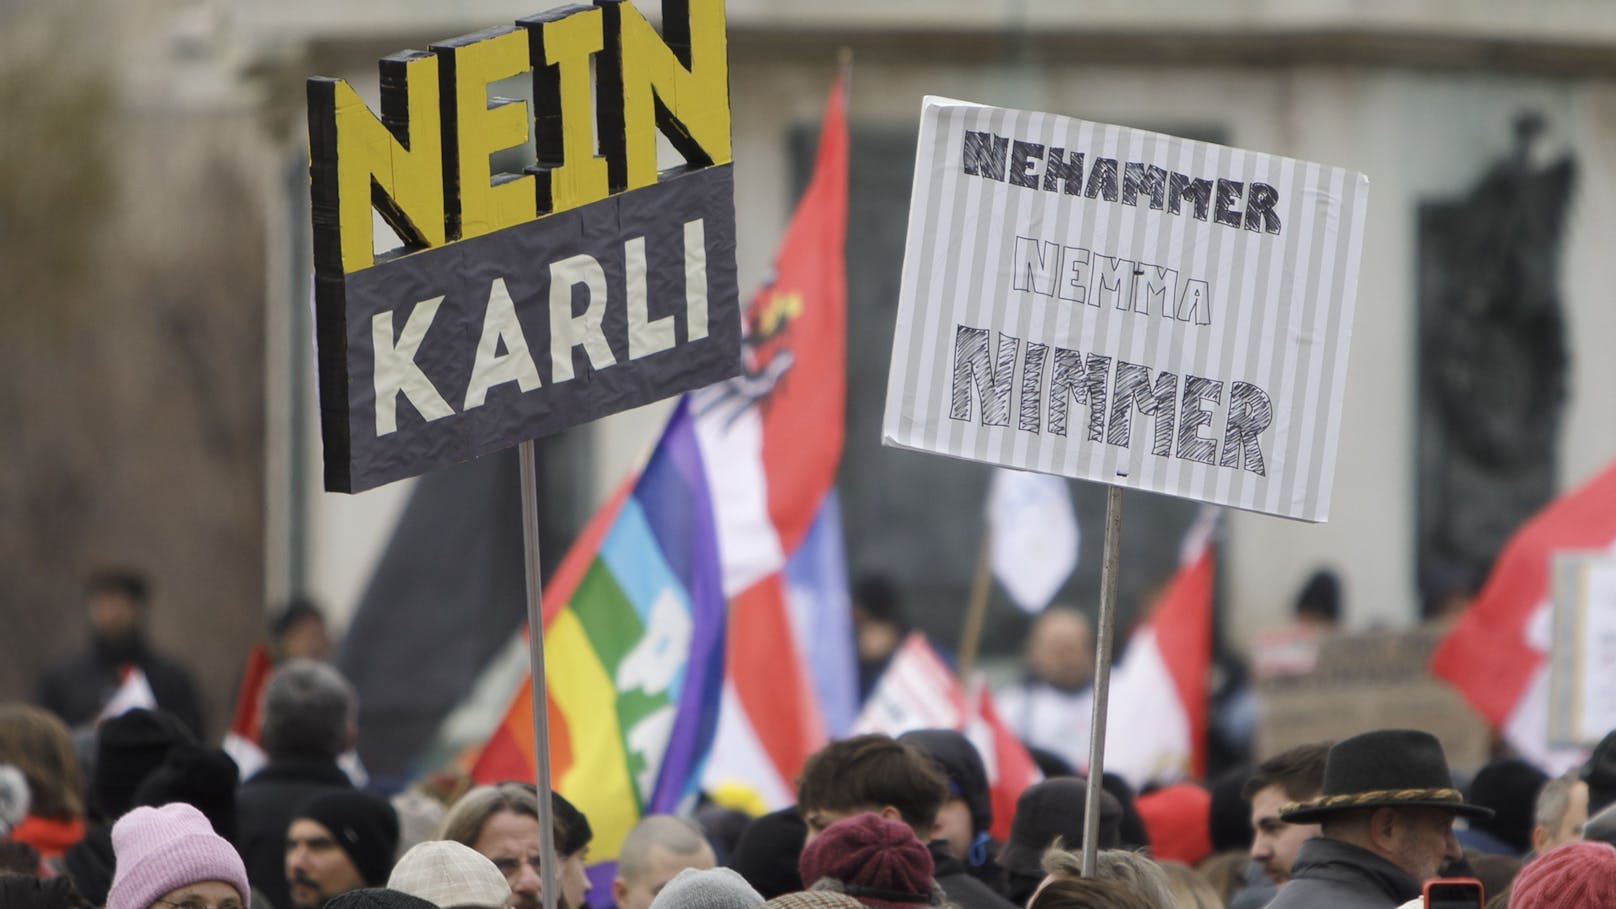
[521,303]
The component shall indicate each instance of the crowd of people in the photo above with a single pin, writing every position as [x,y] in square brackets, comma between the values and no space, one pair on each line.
[129,809]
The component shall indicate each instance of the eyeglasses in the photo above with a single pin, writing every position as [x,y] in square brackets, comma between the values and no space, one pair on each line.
[198,904]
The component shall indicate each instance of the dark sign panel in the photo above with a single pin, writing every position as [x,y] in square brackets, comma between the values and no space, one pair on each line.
[521,303]
[461,350]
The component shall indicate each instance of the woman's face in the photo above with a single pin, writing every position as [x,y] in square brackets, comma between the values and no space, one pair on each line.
[202,895]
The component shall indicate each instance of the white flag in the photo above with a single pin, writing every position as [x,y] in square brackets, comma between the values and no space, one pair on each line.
[1035,535]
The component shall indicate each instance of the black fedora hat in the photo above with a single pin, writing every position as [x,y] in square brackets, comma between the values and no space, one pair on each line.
[1389,768]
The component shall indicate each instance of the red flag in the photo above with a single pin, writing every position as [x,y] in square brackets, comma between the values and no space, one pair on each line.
[1489,654]
[771,440]
[919,691]
[1157,718]
[803,311]
[245,720]
[1011,767]
[241,739]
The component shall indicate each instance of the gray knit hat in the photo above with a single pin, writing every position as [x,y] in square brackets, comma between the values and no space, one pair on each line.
[715,888]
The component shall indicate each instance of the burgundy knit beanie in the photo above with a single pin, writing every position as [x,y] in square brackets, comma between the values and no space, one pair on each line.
[1572,876]
[878,862]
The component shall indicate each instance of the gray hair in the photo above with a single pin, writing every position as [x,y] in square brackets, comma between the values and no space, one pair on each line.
[464,820]
[1133,869]
[1138,872]
[663,831]
[308,710]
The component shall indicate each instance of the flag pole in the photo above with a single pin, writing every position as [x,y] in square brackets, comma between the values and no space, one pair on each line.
[1102,675]
[976,609]
[535,642]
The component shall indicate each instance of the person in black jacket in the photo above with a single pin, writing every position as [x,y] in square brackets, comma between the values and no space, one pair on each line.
[309,717]
[78,688]
[1386,819]
[961,846]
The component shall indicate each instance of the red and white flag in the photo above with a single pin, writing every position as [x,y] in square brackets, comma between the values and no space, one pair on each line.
[134,690]
[241,740]
[1497,652]
[1156,721]
[771,441]
[919,691]
[1010,768]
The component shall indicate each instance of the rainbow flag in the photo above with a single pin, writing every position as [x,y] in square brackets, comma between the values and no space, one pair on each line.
[634,652]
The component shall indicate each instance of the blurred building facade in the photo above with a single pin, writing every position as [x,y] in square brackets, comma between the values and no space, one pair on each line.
[1419,95]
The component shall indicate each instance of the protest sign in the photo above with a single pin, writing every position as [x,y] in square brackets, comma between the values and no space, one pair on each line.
[521,304]
[1582,661]
[1123,306]
[1360,682]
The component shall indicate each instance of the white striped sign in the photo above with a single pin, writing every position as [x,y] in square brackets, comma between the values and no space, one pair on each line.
[1123,306]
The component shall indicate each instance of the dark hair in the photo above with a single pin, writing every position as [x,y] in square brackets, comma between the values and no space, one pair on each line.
[1321,596]
[878,596]
[308,708]
[1088,893]
[24,891]
[870,771]
[17,857]
[1299,772]
[124,581]
[295,611]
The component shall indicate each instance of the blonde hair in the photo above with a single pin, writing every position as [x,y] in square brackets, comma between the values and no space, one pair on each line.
[1190,888]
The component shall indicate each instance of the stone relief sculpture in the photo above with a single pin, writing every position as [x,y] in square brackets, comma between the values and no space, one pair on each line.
[1492,363]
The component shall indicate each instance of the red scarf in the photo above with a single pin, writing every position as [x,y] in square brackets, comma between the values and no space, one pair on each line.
[51,837]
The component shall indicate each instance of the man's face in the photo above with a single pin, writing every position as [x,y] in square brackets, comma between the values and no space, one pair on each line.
[316,867]
[307,640]
[1061,650]
[1275,842]
[954,825]
[511,842]
[1424,841]
[661,866]
[113,615]
[575,883]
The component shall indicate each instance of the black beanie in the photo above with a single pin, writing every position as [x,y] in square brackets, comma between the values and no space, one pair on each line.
[377,898]
[575,831]
[1509,788]
[127,748]
[959,760]
[768,851]
[204,778]
[364,825]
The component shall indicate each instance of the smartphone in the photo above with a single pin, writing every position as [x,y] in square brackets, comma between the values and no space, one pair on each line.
[1453,893]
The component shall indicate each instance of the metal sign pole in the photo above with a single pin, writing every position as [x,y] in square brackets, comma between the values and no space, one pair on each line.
[535,643]
[1102,675]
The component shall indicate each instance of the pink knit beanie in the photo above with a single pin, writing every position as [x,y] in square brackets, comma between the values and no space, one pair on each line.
[160,849]
[1572,876]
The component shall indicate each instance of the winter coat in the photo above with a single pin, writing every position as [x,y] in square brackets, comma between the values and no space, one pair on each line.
[1338,875]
